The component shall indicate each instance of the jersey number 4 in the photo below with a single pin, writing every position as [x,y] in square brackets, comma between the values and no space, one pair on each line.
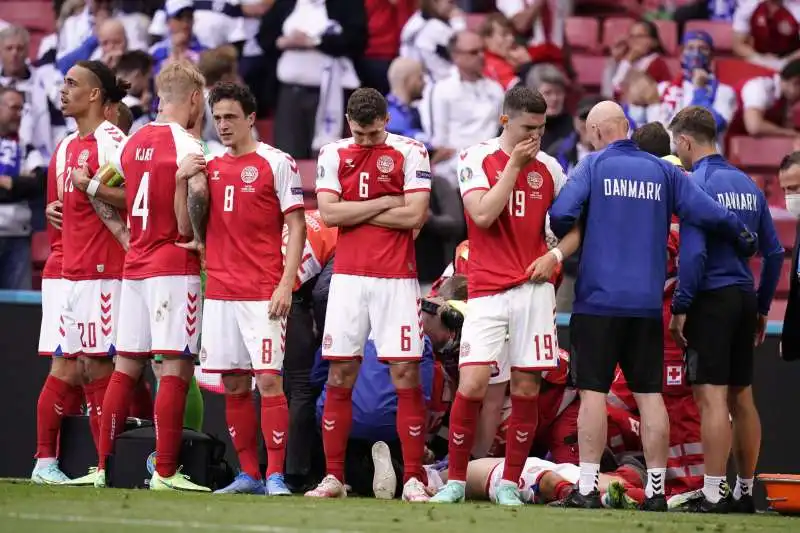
[141,200]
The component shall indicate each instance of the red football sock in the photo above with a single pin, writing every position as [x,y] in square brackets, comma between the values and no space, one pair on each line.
[636,494]
[142,401]
[463,418]
[170,405]
[49,411]
[240,413]
[521,430]
[337,417]
[563,489]
[95,391]
[411,429]
[274,423]
[73,401]
[116,404]
[630,475]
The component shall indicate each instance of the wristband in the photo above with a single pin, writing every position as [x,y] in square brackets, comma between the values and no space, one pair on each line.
[557,253]
[91,189]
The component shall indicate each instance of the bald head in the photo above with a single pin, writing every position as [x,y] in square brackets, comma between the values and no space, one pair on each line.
[406,79]
[606,123]
[113,42]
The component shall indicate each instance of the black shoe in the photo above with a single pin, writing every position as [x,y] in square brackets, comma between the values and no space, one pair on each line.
[744,505]
[702,505]
[576,500]
[656,503]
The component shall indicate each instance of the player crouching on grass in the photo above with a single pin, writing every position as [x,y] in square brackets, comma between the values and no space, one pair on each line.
[253,188]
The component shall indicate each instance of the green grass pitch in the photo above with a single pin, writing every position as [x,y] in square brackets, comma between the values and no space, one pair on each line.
[33,509]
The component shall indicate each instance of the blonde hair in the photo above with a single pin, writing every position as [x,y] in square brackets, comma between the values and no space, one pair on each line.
[178,80]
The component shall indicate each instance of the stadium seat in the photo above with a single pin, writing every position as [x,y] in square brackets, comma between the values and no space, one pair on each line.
[783,283]
[668,33]
[583,33]
[735,71]
[721,32]
[761,181]
[474,20]
[40,248]
[36,15]
[590,70]
[614,28]
[759,154]
[785,225]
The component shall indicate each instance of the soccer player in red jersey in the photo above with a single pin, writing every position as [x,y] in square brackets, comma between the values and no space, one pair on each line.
[161,306]
[253,188]
[375,188]
[507,185]
[80,310]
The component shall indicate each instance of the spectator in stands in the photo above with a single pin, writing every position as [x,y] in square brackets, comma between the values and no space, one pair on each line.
[385,21]
[136,68]
[640,99]
[14,70]
[552,84]
[765,104]
[406,83]
[544,22]
[698,85]
[462,109]
[180,42]
[767,32]
[426,35]
[214,23]
[641,50]
[316,44]
[217,65]
[79,30]
[110,43]
[572,149]
[653,138]
[16,188]
[503,56]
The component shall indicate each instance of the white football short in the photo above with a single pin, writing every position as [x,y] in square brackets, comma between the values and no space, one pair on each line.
[90,312]
[532,472]
[51,332]
[160,315]
[239,337]
[387,308]
[523,317]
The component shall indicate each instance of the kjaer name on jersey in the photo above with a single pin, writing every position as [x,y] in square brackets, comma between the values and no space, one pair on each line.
[643,190]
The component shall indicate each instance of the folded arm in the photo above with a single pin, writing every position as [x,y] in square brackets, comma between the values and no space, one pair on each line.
[411,215]
[336,212]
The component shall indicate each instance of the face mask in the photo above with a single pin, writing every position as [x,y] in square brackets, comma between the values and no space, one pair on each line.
[692,59]
[793,204]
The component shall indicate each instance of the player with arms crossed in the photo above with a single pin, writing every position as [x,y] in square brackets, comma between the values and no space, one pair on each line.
[92,262]
[507,198]
[375,188]
[161,306]
[252,188]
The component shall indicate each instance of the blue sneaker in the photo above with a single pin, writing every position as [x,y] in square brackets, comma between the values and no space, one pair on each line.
[276,486]
[508,495]
[243,484]
[452,492]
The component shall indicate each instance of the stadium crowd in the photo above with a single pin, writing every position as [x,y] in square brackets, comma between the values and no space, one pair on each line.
[472,174]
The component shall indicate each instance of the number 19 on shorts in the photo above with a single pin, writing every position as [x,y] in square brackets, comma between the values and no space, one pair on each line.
[544,346]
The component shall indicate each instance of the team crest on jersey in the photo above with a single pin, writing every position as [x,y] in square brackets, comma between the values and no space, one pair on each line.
[385,164]
[465,175]
[83,158]
[249,174]
[785,28]
[535,180]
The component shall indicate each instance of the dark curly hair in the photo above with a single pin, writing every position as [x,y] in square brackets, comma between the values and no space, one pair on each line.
[233,91]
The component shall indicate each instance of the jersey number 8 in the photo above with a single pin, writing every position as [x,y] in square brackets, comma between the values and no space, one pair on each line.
[227,204]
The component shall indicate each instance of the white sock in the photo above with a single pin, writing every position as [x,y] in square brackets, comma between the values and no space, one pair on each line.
[713,488]
[590,477]
[47,461]
[655,481]
[744,487]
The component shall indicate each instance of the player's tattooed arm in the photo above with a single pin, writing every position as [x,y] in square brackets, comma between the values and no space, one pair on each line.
[197,206]
[113,221]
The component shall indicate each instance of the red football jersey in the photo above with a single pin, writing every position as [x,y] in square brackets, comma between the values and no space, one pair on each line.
[148,161]
[775,33]
[90,250]
[358,173]
[500,254]
[249,195]
[53,265]
[318,250]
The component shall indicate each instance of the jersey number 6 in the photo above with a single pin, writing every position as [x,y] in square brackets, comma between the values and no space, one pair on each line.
[363,185]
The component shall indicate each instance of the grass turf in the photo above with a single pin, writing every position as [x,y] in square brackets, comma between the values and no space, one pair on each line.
[25,508]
